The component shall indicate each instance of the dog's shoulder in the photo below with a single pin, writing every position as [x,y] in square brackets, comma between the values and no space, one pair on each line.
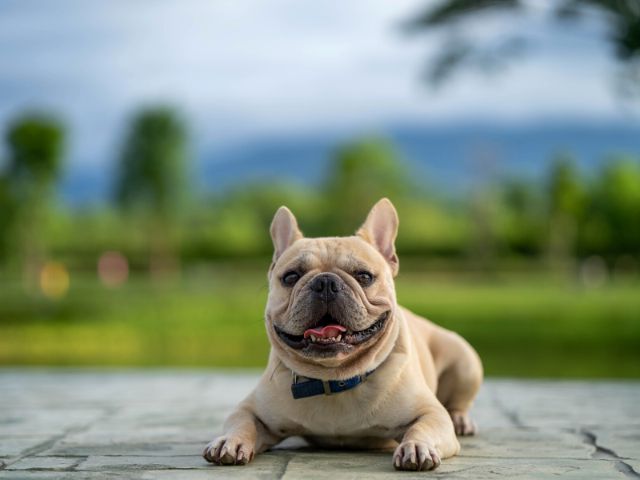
[418,325]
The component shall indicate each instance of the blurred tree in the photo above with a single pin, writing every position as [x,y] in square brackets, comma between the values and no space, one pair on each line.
[621,17]
[567,199]
[522,232]
[361,173]
[35,145]
[239,223]
[152,176]
[152,164]
[616,205]
[6,218]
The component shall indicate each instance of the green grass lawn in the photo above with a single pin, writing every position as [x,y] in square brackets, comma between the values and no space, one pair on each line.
[522,325]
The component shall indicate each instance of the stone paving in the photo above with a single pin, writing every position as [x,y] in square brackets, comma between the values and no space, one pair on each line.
[151,424]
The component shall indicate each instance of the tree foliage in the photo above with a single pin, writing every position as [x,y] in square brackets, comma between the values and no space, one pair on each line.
[616,204]
[153,161]
[7,209]
[566,189]
[621,17]
[361,173]
[35,144]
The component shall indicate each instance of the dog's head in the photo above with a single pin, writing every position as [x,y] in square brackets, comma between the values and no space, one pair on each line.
[331,307]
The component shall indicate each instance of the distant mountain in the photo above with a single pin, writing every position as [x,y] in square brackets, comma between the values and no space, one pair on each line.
[451,157]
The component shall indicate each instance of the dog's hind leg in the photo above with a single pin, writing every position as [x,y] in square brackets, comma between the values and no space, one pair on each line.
[459,378]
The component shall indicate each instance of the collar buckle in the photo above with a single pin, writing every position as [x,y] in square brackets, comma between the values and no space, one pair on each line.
[327,387]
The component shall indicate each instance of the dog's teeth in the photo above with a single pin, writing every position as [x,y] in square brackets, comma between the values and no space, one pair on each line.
[313,338]
[338,338]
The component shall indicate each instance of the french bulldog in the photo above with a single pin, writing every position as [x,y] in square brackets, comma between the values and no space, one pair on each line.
[349,367]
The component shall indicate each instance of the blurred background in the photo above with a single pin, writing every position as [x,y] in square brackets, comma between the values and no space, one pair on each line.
[146,146]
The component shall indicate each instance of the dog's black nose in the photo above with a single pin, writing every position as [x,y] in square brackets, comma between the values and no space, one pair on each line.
[326,286]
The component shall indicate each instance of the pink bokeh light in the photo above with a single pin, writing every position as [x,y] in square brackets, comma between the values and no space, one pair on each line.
[113,269]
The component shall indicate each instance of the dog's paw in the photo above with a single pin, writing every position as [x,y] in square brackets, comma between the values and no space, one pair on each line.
[415,456]
[228,451]
[463,424]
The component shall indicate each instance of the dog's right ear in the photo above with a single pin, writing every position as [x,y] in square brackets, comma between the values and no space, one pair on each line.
[284,231]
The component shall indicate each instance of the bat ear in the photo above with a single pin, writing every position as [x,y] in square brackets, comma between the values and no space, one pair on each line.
[284,231]
[380,229]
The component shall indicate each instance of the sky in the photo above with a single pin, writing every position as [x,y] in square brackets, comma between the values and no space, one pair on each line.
[238,69]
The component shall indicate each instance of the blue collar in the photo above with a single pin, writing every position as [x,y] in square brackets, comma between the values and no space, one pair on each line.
[314,386]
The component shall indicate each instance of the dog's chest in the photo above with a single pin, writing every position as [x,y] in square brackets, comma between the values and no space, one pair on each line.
[365,411]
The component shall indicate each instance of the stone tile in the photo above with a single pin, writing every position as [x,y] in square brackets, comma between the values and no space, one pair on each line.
[44,421]
[96,462]
[12,445]
[186,415]
[104,434]
[63,475]
[331,465]
[525,443]
[570,404]
[268,464]
[126,449]
[486,413]
[45,463]
[231,473]
[223,473]
[513,468]
[635,464]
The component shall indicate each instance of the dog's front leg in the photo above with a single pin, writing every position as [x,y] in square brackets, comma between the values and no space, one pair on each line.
[429,439]
[244,436]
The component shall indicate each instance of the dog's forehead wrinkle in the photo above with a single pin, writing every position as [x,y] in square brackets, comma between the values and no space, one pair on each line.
[355,264]
[300,265]
[339,255]
[329,253]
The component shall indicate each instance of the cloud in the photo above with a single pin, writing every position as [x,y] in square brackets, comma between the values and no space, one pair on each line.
[252,68]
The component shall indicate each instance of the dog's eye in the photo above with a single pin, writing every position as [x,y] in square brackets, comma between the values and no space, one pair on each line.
[364,278]
[290,278]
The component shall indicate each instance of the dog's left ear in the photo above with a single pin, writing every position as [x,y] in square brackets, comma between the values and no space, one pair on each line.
[284,231]
[380,229]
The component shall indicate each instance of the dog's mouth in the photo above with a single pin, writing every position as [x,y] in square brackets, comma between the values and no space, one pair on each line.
[328,333]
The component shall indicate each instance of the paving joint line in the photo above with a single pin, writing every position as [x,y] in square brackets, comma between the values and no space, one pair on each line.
[601,452]
[510,414]
[285,467]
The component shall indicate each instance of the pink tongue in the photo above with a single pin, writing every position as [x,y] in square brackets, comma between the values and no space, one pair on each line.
[325,332]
